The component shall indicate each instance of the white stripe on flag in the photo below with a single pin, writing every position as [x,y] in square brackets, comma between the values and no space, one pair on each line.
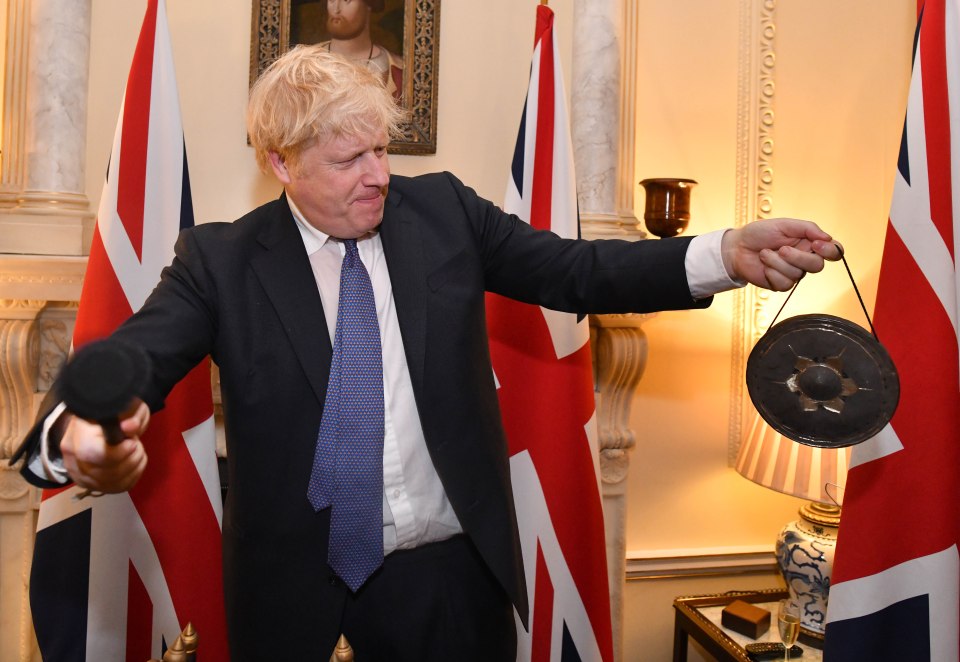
[198,444]
[953,94]
[164,176]
[884,443]
[110,556]
[568,335]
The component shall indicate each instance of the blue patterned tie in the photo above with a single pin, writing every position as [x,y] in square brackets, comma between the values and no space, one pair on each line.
[348,465]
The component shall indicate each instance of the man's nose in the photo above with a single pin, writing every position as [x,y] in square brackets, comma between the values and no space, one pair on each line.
[376,169]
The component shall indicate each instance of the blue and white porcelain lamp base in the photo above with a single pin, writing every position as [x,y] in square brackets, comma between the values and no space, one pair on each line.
[805,555]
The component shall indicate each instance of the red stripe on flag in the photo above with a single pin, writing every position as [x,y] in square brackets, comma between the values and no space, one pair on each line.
[936,110]
[139,618]
[541,212]
[103,303]
[542,612]
[135,134]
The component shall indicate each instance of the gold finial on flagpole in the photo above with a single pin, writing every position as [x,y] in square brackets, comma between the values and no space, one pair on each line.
[544,2]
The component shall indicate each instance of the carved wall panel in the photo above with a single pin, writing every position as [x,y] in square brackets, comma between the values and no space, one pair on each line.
[755,189]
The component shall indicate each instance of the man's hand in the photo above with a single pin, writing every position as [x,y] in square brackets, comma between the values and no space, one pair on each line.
[775,253]
[98,466]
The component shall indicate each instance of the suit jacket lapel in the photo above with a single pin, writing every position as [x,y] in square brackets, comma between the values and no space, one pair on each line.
[403,250]
[284,271]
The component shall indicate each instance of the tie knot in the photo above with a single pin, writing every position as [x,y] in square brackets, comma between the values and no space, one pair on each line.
[351,247]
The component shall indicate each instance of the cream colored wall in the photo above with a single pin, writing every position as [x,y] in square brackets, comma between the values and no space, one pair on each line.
[841,82]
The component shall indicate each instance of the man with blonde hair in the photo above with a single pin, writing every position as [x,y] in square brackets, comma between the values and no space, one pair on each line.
[347,320]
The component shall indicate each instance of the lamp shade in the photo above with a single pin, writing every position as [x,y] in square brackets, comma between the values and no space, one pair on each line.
[768,458]
[804,548]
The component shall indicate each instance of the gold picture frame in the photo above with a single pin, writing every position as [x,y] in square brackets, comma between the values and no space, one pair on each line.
[420,45]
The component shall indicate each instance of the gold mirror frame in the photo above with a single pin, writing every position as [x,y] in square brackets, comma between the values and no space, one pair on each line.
[270,36]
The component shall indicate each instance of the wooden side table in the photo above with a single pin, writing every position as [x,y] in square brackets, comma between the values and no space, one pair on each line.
[698,616]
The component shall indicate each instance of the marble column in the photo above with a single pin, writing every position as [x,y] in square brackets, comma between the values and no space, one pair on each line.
[602,129]
[47,211]
[603,114]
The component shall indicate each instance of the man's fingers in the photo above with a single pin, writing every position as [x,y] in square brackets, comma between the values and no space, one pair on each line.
[82,441]
[121,469]
[776,281]
[828,250]
[136,422]
[775,262]
[96,465]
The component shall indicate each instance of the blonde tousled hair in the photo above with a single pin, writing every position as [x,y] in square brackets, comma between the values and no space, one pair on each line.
[310,94]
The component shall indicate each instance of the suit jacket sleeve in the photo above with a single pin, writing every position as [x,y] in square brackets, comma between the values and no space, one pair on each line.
[29,448]
[596,277]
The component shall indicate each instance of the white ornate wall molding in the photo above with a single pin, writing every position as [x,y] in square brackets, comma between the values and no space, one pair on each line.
[51,278]
[19,359]
[18,512]
[34,343]
[754,200]
[19,364]
[700,562]
[619,351]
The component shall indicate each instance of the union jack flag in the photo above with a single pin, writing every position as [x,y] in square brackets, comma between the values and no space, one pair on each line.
[542,363]
[118,577]
[896,578]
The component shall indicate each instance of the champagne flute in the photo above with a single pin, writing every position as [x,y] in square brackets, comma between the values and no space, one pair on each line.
[788,620]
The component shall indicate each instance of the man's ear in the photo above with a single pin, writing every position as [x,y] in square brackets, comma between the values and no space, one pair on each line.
[279,167]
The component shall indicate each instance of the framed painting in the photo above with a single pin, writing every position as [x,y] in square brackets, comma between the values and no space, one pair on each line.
[398,38]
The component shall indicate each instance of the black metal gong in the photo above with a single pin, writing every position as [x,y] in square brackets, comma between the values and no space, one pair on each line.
[823,381]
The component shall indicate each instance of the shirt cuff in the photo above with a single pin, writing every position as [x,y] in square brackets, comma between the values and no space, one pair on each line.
[706,274]
[42,465]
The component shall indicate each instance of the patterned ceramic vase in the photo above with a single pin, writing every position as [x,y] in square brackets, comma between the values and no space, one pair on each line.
[805,555]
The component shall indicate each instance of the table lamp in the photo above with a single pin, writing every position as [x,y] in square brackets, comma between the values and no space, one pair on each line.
[805,547]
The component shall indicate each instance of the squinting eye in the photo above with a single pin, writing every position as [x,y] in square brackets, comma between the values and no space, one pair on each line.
[380,150]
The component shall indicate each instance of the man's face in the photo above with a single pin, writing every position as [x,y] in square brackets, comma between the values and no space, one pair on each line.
[340,185]
[347,19]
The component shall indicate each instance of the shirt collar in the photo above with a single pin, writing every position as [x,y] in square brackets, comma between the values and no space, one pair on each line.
[313,239]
